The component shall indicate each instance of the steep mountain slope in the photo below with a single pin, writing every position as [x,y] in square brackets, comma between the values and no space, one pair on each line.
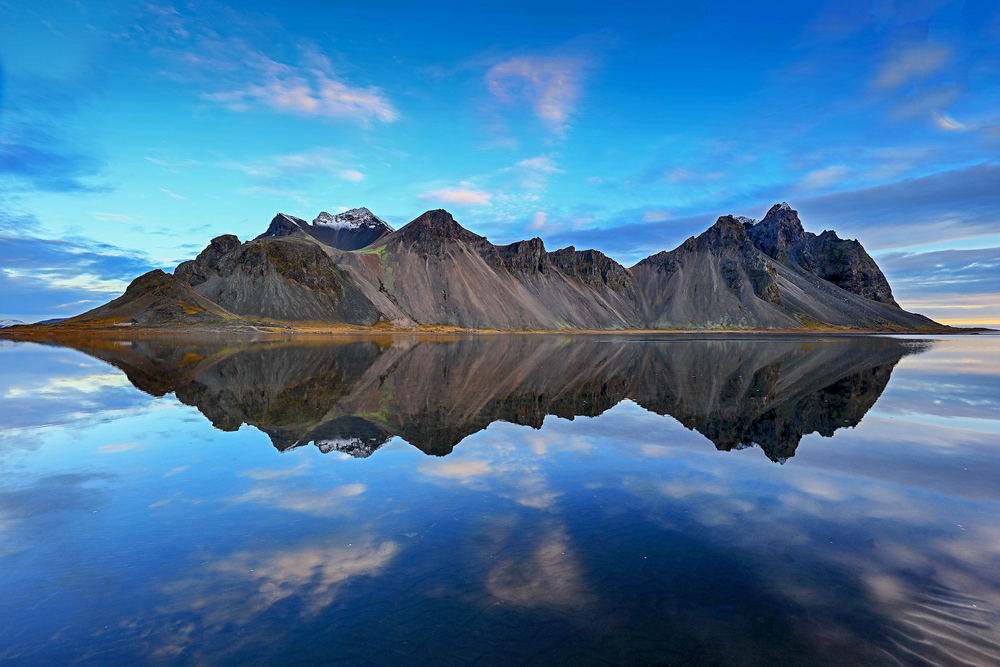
[350,230]
[842,262]
[717,280]
[288,278]
[437,272]
[813,300]
[827,279]
[741,274]
[156,299]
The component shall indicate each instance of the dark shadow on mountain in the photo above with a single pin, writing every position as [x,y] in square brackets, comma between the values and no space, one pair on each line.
[354,395]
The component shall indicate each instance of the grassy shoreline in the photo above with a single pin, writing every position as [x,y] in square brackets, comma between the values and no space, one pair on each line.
[53,332]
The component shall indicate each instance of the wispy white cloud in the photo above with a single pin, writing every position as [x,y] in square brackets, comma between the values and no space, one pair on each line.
[989,126]
[534,173]
[944,275]
[551,86]
[656,215]
[677,175]
[114,217]
[682,174]
[821,179]
[458,196]
[115,448]
[293,168]
[173,165]
[512,193]
[904,65]
[172,194]
[538,221]
[281,175]
[310,91]
[542,164]
[233,72]
[948,123]
[932,100]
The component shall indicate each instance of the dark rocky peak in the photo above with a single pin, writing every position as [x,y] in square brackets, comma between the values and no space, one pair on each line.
[196,271]
[726,230]
[781,211]
[737,259]
[285,225]
[778,231]
[592,267]
[659,258]
[435,227]
[354,219]
[148,282]
[745,221]
[726,234]
[846,264]
[222,245]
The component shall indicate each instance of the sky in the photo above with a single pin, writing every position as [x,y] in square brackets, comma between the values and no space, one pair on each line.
[131,134]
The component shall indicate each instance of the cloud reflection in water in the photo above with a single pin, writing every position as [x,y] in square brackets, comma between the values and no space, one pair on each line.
[598,517]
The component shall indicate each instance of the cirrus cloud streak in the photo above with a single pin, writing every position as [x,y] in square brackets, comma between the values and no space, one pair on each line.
[550,86]
[457,197]
[243,78]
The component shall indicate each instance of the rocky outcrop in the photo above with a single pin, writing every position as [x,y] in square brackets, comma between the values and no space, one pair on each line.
[520,257]
[429,233]
[839,261]
[778,232]
[285,225]
[844,263]
[206,265]
[716,280]
[435,271]
[157,299]
[592,267]
[288,278]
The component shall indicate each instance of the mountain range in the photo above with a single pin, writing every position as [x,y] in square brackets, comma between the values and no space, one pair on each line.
[354,270]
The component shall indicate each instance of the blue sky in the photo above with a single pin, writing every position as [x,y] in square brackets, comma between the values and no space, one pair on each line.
[133,133]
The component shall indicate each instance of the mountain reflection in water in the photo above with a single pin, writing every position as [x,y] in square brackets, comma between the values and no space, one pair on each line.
[354,395]
[133,532]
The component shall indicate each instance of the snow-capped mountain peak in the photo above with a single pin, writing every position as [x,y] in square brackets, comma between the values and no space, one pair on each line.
[354,218]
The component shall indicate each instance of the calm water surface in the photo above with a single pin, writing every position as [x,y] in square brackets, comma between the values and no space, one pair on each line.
[514,500]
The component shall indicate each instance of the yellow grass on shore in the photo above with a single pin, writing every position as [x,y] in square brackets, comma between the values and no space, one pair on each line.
[54,332]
